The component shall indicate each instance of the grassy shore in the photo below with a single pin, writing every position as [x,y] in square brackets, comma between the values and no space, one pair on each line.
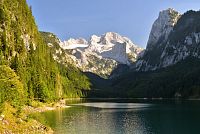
[14,121]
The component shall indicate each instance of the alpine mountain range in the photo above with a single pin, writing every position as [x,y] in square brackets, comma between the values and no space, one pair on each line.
[103,54]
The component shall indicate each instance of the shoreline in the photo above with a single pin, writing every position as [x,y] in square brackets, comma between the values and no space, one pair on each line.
[30,109]
[25,123]
[198,99]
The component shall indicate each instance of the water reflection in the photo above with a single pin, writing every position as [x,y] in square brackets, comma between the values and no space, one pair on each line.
[126,118]
[114,105]
[107,119]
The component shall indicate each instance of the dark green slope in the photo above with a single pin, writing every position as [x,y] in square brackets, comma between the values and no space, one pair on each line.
[101,88]
[186,25]
[180,80]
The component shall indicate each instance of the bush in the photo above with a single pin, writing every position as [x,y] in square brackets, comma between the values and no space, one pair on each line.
[11,89]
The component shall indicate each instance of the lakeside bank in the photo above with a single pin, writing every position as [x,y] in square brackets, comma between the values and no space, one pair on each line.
[11,121]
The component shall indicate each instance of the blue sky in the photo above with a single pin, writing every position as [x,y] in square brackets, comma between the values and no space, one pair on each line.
[83,18]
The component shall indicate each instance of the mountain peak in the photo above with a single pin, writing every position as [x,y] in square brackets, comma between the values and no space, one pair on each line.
[74,43]
[109,34]
[168,10]
[110,37]
[163,26]
[171,14]
[101,54]
[94,38]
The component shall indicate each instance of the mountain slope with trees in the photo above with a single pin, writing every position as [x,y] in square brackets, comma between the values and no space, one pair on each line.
[178,81]
[22,49]
[28,71]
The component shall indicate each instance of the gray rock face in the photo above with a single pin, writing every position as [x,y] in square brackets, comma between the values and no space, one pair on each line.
[173,53]
[162,26]
[172,39]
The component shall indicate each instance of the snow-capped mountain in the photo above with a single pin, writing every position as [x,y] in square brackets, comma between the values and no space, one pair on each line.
[101,54]
[173,38]
[74,43]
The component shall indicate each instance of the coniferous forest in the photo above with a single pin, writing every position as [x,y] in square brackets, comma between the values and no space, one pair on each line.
[27,69]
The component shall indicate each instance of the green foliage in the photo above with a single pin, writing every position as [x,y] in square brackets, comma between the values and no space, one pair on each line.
[28,72]
[7,110]
[74,82]
[50,38]
[23,49]
[71,80]
[11,89]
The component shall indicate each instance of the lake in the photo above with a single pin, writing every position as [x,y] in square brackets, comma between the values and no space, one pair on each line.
[126,116]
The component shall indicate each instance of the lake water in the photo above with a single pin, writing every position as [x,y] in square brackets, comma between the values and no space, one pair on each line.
[127,117]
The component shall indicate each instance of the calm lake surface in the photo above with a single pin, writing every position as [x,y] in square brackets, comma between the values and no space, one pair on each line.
[126,117]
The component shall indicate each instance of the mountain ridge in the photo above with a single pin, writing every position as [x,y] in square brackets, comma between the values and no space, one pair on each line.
[99,54]
[175,42]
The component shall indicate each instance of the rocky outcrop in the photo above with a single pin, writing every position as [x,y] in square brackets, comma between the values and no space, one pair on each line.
[162,26]
[176,42]
[161,29]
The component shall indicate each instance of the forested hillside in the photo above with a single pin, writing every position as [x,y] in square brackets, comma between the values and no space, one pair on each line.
[178,81]
[27,69]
